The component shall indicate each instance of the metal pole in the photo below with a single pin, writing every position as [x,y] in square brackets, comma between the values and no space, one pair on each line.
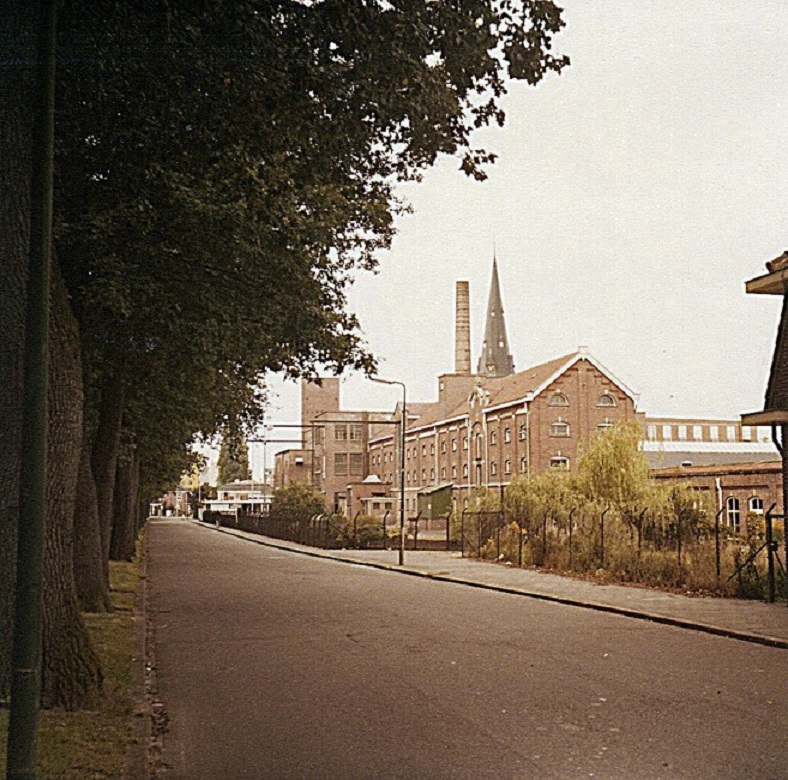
[770,554]
[602,537]
[717,541]
[28,607]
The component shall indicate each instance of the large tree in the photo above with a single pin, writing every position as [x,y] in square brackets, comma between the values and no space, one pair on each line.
[221,170]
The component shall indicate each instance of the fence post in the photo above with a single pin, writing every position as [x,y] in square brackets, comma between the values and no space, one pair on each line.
[640,530]
[678,541]
[571,530]
[602,537]
[520,544]
[717,543]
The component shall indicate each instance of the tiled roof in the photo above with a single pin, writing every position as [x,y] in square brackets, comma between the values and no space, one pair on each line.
[511,388]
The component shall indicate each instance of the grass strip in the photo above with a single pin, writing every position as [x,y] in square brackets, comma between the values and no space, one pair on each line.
[93,743]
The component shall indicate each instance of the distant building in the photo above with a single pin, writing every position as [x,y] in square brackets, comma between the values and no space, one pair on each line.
[738,490]
[484,429]
[240,495]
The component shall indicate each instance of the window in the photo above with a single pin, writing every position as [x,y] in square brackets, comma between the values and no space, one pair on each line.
[756,505]
[340,431]
[465,470]
[340,464]
[454,472]
[559,462]
[523,432]
[465,442]
[478,445]
[652,432]
[493,468]
[667,432]
[423,450]
[732,513]
[507,435]
[356,431]
[319,435]
[376,506]
[443,448]
[356,463]
[523,465]
[493,435]
[432,448]
[714,432]
[558,399]
[730,432]
[697,432]
[682,432]
[424,475]
[606,400]
[559,428]
[432,475]
[605,424]
[443,472]
[454,445]
[507,467]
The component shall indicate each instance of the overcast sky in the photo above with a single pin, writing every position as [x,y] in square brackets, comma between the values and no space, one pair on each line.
[633,196]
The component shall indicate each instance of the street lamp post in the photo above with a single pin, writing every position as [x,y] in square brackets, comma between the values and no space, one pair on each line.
[401,463]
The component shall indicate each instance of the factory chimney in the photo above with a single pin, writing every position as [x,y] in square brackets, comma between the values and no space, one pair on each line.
[462,330]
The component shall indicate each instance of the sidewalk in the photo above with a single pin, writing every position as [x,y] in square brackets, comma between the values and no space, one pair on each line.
[751,621]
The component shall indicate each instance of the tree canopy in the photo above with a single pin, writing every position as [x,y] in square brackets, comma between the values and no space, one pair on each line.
[222,170]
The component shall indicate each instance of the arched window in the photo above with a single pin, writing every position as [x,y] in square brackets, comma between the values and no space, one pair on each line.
[559,428]
[558,399]
[732,513]
[523,465]
[606,400]
[756,505]
[465,470]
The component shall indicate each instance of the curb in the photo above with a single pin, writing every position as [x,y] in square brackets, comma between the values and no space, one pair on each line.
[136,764]
[689,625]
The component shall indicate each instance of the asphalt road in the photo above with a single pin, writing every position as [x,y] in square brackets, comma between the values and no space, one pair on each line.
[271,664]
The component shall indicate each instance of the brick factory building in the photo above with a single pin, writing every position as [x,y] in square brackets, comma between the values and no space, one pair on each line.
[486,428]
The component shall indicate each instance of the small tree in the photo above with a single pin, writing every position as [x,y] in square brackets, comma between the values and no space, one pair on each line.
[233,457]
[296,501]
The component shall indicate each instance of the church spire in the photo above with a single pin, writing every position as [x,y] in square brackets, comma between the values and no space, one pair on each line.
[495,359]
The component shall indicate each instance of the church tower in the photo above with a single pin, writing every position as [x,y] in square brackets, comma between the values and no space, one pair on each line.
[495,360]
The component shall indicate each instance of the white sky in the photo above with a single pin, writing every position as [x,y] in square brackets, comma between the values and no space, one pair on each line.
[633,196]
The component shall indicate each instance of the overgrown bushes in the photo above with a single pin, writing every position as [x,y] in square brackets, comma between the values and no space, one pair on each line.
[610,519]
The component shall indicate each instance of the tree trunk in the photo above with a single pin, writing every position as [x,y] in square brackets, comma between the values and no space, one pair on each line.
[91,587]
[70,667]
[104,457]
[70,674]
[124,518]
[15,165]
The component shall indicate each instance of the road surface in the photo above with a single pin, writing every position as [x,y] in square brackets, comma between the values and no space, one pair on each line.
[271,664]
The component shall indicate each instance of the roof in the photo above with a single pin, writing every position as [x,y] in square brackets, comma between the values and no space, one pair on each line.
[721,469]
[523,386]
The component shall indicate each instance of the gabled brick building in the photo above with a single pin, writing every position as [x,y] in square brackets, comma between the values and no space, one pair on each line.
[523,423]
[489,427]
